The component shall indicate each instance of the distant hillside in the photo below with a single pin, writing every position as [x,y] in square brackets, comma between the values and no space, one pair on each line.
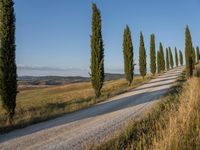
[60,80]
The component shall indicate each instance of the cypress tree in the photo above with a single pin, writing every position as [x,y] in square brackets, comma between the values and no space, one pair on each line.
[181,57]
[8,75]
[159,62]
[162,57]
[152,55]
[193,58]
[171,58]
[142,57]
[128,55]
[176,57]
[167,58]
[188,53]
[97,52]
[198,54]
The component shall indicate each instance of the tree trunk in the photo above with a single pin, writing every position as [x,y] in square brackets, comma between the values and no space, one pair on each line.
[9,120]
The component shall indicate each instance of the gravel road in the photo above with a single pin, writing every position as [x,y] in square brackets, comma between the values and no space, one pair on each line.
[78,129]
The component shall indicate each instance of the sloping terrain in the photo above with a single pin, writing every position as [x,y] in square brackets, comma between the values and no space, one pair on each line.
[78,129]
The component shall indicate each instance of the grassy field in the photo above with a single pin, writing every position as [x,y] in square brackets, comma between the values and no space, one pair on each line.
[173,124]
[35,105]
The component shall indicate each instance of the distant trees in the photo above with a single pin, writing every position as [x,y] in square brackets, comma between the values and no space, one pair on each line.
[162,57]
[181,57]
[171,58]
[128,55]
[8,74]
[167,58]
[97,52]
[176,57]
[188,53]
[159,62]
[142,57]
[198,54]
[152,54]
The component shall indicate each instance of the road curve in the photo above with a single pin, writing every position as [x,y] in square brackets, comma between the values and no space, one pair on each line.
[78,129]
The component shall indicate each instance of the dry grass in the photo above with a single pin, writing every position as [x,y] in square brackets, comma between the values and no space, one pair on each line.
[35,105]
[183,130]
[174,123]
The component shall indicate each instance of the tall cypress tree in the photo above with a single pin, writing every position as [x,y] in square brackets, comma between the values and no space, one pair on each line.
[198,54]
[159,62]
[181,57]
[176,57]
[128,55]
[142,57]
[171,58]
[162,57]
[8,75]
[152,55]
[97,52]
[188,53]
[167,58]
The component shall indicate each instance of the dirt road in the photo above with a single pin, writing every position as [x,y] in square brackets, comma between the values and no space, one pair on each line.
[78,129]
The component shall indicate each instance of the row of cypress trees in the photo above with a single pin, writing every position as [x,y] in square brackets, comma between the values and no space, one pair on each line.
[8,74]
[97,55]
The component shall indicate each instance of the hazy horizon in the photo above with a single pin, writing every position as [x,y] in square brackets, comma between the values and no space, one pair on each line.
[50,71]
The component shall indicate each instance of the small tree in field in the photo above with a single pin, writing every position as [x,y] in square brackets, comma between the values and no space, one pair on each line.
[162,57]
[128,55]
[188,53]
[171,58]
[167,58]
[8,74]
[159,62]
[181,57]
[97,52]
[142,57]
[152,55]
[176,57]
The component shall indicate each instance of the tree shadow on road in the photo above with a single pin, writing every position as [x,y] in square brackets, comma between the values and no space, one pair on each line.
[94,111]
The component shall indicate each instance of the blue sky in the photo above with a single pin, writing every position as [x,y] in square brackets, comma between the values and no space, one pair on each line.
[56,34]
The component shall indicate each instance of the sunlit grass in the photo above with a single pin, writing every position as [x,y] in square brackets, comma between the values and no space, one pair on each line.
[34,105]
[183,127]
[173,123]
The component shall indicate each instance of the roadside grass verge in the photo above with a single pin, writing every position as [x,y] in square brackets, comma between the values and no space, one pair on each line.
[183,127]
[143,133]
[36,105]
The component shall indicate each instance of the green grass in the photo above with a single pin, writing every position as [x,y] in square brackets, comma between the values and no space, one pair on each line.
[36,105]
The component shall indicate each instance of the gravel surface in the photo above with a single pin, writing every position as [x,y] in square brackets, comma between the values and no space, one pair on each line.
[76,130]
